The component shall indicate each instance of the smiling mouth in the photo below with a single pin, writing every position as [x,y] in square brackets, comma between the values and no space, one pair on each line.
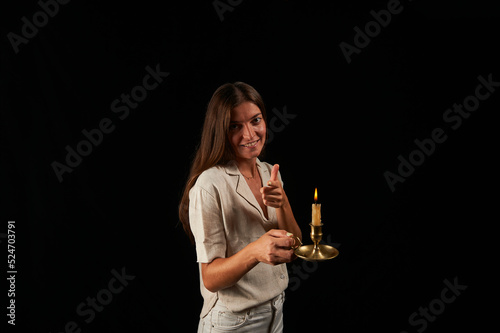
[252,144]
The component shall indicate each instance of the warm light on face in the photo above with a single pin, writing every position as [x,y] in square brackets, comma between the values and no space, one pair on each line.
[247,131]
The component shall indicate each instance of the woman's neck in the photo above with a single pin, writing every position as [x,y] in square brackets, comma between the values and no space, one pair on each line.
[247,167]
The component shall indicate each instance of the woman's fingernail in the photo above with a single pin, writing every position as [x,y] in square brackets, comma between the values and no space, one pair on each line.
[289,234]
[269,183]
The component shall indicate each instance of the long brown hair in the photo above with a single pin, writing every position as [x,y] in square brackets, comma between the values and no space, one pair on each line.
[214,148]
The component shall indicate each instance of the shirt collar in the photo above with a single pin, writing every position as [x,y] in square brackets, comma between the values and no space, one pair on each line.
[242,187]
[231,168]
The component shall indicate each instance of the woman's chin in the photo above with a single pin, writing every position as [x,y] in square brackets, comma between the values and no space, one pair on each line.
[250,152]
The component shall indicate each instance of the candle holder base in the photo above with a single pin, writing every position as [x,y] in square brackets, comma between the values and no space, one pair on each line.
[316,251]
[324,252]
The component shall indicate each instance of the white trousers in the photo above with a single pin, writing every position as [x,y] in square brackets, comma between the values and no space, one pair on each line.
[264,318]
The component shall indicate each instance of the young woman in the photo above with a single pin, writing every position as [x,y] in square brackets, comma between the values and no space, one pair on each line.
[235,210]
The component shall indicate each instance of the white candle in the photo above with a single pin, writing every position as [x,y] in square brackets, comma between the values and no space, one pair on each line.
[316,210]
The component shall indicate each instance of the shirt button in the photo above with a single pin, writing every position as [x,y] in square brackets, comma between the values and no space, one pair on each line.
[282,276]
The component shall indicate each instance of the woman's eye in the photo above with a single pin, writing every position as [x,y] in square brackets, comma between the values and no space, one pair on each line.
[233,127]
[257,120]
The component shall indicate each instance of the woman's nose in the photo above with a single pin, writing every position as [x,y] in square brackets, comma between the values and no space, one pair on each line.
[248,132]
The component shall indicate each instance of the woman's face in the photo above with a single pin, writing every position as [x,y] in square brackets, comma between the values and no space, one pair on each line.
[247,131]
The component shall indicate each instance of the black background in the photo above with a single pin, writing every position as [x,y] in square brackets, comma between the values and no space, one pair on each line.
[118,208]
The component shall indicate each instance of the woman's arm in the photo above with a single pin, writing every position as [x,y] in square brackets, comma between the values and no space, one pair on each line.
[271,248]
[286,220]
[273,195]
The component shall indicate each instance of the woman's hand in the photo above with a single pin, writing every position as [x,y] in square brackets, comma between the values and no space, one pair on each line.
[274,247]
[273,194]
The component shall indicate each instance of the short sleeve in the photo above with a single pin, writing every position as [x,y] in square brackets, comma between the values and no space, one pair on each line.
[207,225]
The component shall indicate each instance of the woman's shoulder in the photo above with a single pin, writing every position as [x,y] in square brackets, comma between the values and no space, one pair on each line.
[211,174]
[265,165]
[211,178]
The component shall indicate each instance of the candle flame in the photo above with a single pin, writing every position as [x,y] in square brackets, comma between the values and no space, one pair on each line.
[316,194]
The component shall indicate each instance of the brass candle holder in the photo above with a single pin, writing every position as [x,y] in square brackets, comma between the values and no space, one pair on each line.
[316,251]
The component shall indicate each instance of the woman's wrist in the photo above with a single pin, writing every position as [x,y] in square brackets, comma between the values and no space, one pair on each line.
[285,204]
[251,255]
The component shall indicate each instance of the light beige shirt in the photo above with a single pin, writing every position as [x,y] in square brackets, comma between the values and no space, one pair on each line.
[225,217]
